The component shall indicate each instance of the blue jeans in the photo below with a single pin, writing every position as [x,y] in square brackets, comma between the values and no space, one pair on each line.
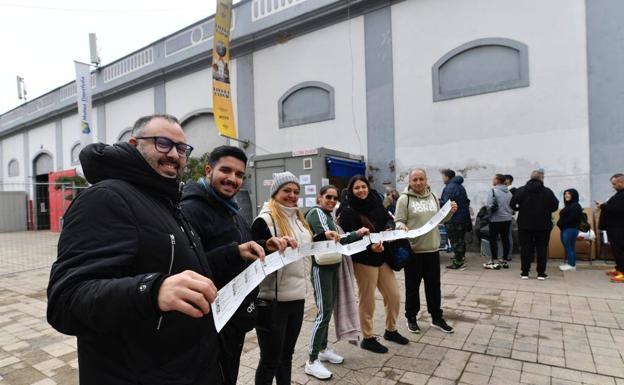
[568,239]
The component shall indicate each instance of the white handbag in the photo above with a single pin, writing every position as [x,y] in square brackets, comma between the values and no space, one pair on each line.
[328,259]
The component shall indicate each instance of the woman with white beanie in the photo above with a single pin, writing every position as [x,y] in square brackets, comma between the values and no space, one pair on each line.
[282,294]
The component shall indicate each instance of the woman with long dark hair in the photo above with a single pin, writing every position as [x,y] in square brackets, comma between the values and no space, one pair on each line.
[363,207]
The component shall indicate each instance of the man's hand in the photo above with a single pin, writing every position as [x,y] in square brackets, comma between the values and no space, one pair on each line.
[332,235]
[401,226]
[188,292]
[362,231]
[377,247]
[251,251]
[453,206]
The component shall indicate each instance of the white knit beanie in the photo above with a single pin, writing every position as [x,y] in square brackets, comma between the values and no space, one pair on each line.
[280,179]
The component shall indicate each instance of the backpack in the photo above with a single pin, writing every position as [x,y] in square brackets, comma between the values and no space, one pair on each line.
[584,223]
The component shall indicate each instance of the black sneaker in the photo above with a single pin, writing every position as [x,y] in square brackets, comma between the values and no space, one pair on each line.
[373,345]
[504,265]
[542,277]
[395,337]
[507,259]
[456,266]
[412,325]
[442,325]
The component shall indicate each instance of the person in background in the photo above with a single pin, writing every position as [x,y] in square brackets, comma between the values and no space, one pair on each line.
[535,204]
[508,182]
[460,222]
[362,207]
[390,199]
[325,283]
[277,335]
[416,205]
[612,221]
[568,223]
[501,215]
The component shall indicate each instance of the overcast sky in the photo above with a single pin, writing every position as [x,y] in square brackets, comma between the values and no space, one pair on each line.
[40,39]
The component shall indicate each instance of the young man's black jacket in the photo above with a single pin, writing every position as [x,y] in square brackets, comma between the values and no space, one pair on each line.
[121,238]
[221,231]
[612,212]
[535,205]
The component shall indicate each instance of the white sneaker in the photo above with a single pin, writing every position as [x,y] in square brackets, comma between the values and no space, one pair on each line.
[331,356]
[317,370]
[567,267]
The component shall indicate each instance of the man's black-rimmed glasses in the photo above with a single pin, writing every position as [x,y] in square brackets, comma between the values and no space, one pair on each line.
[164,145]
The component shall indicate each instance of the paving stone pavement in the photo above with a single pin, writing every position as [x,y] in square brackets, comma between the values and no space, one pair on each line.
[567,330]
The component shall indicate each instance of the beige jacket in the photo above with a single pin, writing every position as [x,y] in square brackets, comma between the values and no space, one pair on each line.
[291,280]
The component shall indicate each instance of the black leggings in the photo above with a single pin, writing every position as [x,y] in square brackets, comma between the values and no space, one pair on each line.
[278,344]
[502,229]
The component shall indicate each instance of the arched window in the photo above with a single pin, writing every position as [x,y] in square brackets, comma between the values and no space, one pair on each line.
[75,151]
[13,167]
[125,135]
[306,102]
[481,66]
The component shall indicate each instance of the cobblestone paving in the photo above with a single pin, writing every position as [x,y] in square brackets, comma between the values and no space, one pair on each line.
[567,330]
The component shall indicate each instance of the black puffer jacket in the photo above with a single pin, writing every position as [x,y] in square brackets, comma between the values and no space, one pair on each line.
[221,231]
[570,214]
[120,240]
[612,212]
[535,205]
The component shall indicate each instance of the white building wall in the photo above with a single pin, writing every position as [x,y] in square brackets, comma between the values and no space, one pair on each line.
[42,139]
[333,55]
[13,148]
[123,112]
[512,132]
[189,93]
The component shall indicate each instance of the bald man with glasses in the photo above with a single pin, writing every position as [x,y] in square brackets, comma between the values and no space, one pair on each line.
[131,280]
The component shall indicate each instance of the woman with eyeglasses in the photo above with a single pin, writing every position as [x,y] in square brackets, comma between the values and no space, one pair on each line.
[363,207]
[324,276]
[282,294]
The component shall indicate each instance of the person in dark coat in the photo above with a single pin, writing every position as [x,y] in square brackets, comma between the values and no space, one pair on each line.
[535,205]
[568,223]
[612,221]
[211,208]
[460,222]
[131,281]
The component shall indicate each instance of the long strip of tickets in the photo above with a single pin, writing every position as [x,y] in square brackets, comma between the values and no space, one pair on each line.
[230,297]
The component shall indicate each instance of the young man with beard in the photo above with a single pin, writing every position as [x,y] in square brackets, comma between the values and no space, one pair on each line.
[130,280]
[210,206]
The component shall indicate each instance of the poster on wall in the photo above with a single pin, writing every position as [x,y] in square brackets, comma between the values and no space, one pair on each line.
[221,95]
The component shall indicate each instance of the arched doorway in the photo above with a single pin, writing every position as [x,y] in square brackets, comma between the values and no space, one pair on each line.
[42,165]
[201,133]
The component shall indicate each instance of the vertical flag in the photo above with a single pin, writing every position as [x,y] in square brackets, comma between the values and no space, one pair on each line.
[221,96]
[83,98]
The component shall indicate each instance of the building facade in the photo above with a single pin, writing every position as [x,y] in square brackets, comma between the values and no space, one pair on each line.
[480,86]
